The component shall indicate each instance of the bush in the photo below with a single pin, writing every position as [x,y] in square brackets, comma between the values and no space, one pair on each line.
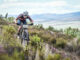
[9,29]
[50,57]
[39,26]
[5,57]
[67,59]
[52,40]
[9,39]
[45,37]
[54,57]
[50,28]
[3,22]
[35,40]
[16,55]
[10,19]
[60,42]
[78,42]
[33,32]
[71,32]
[57,57]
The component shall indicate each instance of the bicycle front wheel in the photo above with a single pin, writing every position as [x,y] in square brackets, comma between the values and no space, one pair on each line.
[26,35]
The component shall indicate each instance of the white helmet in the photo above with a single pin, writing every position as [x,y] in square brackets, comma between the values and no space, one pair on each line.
[25,13]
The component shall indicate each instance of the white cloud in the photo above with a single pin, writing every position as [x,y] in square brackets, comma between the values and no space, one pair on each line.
[56,3]
[14,7]
[31,4]
[5,1]
[77,6]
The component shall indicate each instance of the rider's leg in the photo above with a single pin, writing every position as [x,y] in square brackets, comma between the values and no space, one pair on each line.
[24,22]
[19,24]
[19,29]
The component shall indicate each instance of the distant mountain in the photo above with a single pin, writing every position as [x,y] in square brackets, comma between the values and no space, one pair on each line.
[69,16]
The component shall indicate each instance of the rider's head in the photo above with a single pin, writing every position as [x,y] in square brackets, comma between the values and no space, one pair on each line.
[25,14]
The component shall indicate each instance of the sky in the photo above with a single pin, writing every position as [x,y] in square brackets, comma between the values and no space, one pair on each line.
[15,7]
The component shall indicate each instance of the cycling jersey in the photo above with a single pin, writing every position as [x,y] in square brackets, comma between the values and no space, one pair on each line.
[21,17]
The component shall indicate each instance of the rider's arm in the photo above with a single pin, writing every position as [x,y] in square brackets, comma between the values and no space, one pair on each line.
[19,17]
[30,19]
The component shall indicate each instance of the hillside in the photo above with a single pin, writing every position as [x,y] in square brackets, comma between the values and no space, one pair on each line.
[45,44]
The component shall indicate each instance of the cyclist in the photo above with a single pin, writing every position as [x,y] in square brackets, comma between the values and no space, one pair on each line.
[22,19]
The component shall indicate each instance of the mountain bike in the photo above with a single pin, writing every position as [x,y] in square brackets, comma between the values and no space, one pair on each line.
[24,35]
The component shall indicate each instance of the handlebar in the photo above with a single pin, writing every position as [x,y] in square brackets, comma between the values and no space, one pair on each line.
[25,24]
[30,24]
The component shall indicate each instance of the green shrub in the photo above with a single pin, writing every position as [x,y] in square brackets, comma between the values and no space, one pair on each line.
[50,28]
[16,55]
[9,39]
[39,26]
[54,57]
[50,57]
[45,37]
[10,19]
[60,42]
[35,40]
[57,57]
[52,40]
[67,59]
[71,32]
[9,29]
[3,22]
[5,57]
[33,32]
[41,54]
[78,41]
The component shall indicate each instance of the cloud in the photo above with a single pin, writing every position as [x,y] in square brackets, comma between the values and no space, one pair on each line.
[6,1]
[15,7]
[77,6]
[32,4]
[56,3]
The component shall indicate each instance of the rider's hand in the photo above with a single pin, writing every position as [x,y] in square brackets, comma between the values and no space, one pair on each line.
[15,21]
[31,23]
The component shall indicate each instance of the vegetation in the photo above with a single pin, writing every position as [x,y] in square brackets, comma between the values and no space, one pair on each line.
[36,41]
[72,32]
[45,44]
[54,57]
[2,21]
[60,42]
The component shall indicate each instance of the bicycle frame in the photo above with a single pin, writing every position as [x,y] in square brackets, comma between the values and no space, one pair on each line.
[24,35]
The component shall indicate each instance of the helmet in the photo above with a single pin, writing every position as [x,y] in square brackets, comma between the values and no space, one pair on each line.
[25,13]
